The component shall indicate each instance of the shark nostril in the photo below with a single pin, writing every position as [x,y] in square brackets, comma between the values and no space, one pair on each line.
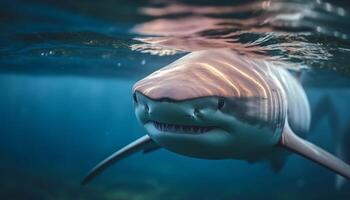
[196,112]
[221,103]
[146,108]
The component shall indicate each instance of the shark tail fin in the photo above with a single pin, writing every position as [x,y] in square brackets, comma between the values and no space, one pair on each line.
[294,143]
[144,143]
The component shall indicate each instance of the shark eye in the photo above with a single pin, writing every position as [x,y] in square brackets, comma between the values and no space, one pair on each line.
[134,97]
[221,103]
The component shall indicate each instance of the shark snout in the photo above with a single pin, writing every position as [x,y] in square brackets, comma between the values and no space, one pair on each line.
[164,110]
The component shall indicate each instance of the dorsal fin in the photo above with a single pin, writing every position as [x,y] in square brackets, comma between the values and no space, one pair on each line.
[292,142]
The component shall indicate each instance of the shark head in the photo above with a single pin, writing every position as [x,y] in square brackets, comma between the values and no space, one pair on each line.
[201,127]
[208,108]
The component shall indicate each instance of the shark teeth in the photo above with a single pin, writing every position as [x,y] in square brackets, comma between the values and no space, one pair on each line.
[181,128]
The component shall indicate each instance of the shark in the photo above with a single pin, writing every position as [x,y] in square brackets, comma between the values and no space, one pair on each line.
[219,104]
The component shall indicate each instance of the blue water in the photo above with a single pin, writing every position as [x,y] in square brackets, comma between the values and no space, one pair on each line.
[66,72]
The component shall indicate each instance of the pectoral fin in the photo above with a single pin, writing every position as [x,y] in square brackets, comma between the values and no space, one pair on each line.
[292,142]
[144,143]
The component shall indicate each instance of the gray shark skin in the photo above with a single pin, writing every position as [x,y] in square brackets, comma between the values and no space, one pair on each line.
[216,104]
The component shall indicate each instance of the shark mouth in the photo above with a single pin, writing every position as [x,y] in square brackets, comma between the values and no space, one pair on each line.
[176,128]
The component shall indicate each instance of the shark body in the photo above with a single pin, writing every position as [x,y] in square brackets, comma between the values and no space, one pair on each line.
[217,104]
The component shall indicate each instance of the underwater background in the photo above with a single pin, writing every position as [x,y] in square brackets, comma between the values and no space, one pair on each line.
[66,73]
